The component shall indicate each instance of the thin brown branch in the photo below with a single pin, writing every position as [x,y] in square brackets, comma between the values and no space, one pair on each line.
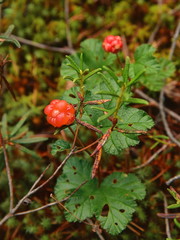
[39,178]
[174,39]
[9,87]
[79,140]
[150,159]
[96,229]
[68,32]
[137,226]
[133,230]
[50,204]
[131,131]
[55,172]
[10,183]
[161,97]
[36,209]
[156,104]
[33,190]
[89,126]
[165,123]
[172,179]
[168,232]
[155,31]
[90,145]
[65,50]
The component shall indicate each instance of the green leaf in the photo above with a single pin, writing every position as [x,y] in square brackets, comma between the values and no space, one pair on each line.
[2,163]
[110,112]
[119,141]
[6,37]
[113,202]
[94,56]
[68,71]
[173,206]
[29,140]
[107,81]
[156,70]
[130,119]
[4,129]
[28,151]
[92,73]
[177,223]
[107,93]
[91,114]
[20,124]
[111,73]
[167,68]
[59,146]
[144,52]
[144,60]
[136,78]
[125,73]
[73,64]
[9,31]
[137,100]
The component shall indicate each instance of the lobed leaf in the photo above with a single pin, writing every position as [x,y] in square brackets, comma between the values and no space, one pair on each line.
[59,146]
[112,203]
[130,119]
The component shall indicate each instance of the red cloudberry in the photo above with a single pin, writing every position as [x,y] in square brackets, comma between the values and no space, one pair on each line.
[112,44]
[59,113]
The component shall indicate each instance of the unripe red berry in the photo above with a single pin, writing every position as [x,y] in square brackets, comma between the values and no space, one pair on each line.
[112,44]
[59,113]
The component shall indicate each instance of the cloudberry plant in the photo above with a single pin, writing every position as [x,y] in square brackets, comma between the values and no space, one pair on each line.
[112,44]
[60,113]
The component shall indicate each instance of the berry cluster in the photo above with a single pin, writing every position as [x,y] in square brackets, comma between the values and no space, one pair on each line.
[60,113]
[112,44]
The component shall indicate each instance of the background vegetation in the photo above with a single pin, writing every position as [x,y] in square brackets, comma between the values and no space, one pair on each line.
[47,31]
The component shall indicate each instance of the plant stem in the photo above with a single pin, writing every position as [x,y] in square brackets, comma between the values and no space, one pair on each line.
[119,61]
[8,174]
[119,100]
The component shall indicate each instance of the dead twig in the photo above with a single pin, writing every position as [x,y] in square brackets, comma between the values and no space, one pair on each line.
[172,179]
[10,183]
[68,32]
[50,204]
[33,189]
[165,123]
[156,104]
[174,39]
[96,229]
[168,232]
[161,97]
[65,50]
[150,159]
